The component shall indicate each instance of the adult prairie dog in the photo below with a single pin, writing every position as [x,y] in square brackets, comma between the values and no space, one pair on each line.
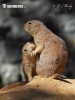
[52,49]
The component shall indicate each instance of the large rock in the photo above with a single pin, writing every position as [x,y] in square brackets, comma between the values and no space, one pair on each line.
[40,89]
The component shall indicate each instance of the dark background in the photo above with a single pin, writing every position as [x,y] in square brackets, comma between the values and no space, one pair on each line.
[55,14]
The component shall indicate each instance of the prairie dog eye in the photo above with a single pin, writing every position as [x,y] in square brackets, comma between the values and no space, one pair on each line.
[30,23]
[25,50]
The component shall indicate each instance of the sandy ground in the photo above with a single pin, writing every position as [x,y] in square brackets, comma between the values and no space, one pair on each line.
[40,89]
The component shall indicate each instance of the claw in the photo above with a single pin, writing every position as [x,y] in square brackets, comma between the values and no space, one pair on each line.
[33,53]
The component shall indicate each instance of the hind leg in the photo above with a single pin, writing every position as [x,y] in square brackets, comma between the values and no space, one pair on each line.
[27,72]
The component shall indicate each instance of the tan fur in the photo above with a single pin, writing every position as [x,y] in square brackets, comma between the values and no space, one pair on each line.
[29,62]
[52,49]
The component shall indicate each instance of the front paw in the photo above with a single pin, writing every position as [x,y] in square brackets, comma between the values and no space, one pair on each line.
[33,53]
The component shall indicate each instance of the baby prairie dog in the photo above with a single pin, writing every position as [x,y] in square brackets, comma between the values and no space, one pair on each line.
[52,49]
[29,62]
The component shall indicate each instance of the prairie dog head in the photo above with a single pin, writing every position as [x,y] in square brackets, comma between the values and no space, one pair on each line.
[28,47]
[33,26]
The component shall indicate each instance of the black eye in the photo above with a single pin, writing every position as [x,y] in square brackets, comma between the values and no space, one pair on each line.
[30,23]
[25,50]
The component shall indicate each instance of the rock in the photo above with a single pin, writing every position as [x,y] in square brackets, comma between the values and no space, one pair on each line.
[39,89]
[9,73]
[22,73]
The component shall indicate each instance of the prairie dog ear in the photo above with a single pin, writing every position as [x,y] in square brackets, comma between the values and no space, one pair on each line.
[37,25]
[28,42]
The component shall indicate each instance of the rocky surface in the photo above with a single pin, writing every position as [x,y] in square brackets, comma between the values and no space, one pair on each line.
[57,15]
[10,73]
[39,89]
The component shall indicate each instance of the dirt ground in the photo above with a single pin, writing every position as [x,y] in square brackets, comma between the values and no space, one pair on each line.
[40,89]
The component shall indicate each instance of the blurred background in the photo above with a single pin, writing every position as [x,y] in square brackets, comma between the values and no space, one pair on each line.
[57,15]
